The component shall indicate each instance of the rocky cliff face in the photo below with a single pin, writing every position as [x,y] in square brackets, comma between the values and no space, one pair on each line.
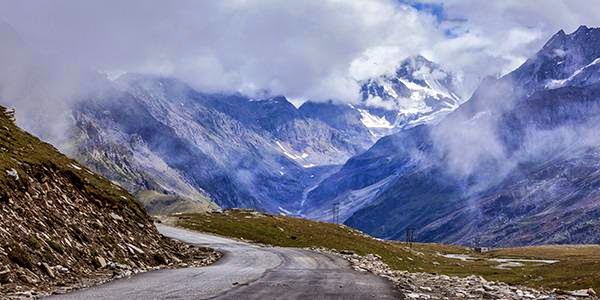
[159,134]
[62,226]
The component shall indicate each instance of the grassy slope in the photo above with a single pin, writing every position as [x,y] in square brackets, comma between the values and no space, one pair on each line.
[18,147]
[579,266]
[157,203]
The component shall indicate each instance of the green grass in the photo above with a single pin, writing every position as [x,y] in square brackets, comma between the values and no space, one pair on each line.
[162,204]
[56,247]
[579,266]
[20,257]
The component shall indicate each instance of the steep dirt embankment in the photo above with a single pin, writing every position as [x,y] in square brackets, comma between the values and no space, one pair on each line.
[62,226]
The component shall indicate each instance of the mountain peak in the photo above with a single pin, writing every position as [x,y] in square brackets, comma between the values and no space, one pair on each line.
[557,39]
[566,59]
[279,99]
[418,91]
[583,35]
[582,29]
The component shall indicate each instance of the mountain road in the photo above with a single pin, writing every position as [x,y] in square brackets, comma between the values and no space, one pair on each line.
[246,271]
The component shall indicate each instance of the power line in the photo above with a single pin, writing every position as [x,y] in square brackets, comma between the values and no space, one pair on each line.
[410,236]
[335,213]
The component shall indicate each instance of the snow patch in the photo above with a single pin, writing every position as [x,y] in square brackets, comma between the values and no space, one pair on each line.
[372,121]
[299,158]
[288,153]
[558,83]
[284,211]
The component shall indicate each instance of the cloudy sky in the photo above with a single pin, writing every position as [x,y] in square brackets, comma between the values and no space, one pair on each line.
[312,49]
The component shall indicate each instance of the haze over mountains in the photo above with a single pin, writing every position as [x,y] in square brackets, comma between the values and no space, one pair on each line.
[153,133]
[515,164]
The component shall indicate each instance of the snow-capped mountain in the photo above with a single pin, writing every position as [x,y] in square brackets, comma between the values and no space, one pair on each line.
[163,140]
[158,134]
[239,151]
[565,60]
[516,164]
[418,92]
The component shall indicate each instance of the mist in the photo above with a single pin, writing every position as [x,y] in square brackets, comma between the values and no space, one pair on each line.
[503,128]
[313,50]
[54,53]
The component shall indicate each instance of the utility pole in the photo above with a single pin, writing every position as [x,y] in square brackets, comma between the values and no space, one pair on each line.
[410,236]
[335,211]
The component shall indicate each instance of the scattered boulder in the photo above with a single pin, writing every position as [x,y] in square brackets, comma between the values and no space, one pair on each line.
[417,285]
[101,262]
[48,270]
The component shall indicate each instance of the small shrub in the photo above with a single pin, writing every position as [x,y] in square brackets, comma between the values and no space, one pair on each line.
[159,258]
[20,257]
[34,243]
[57,247]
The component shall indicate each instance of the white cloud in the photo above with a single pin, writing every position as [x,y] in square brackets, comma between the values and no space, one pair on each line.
[297,48]
[312,49]
[495,37]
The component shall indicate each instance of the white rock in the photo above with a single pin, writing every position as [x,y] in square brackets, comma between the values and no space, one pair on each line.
[116,217]
[102,261]
[13,173]
[580,293]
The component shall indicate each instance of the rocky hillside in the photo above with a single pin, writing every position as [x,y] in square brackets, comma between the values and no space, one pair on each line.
[62,226]
[159,134]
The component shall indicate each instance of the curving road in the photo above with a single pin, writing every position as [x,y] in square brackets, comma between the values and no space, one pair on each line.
[247,272]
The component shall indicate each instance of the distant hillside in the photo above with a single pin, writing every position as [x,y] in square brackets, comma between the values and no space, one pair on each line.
[63,226]
[517,164]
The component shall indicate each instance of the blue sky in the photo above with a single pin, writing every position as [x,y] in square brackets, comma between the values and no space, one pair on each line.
[436,9]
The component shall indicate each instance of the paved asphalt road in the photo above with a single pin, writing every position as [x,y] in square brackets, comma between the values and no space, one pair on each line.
[247,272]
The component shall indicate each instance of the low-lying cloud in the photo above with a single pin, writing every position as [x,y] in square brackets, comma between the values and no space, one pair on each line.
[314,49]
[303,49]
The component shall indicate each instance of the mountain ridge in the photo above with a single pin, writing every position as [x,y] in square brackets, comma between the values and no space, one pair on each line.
[491,191]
